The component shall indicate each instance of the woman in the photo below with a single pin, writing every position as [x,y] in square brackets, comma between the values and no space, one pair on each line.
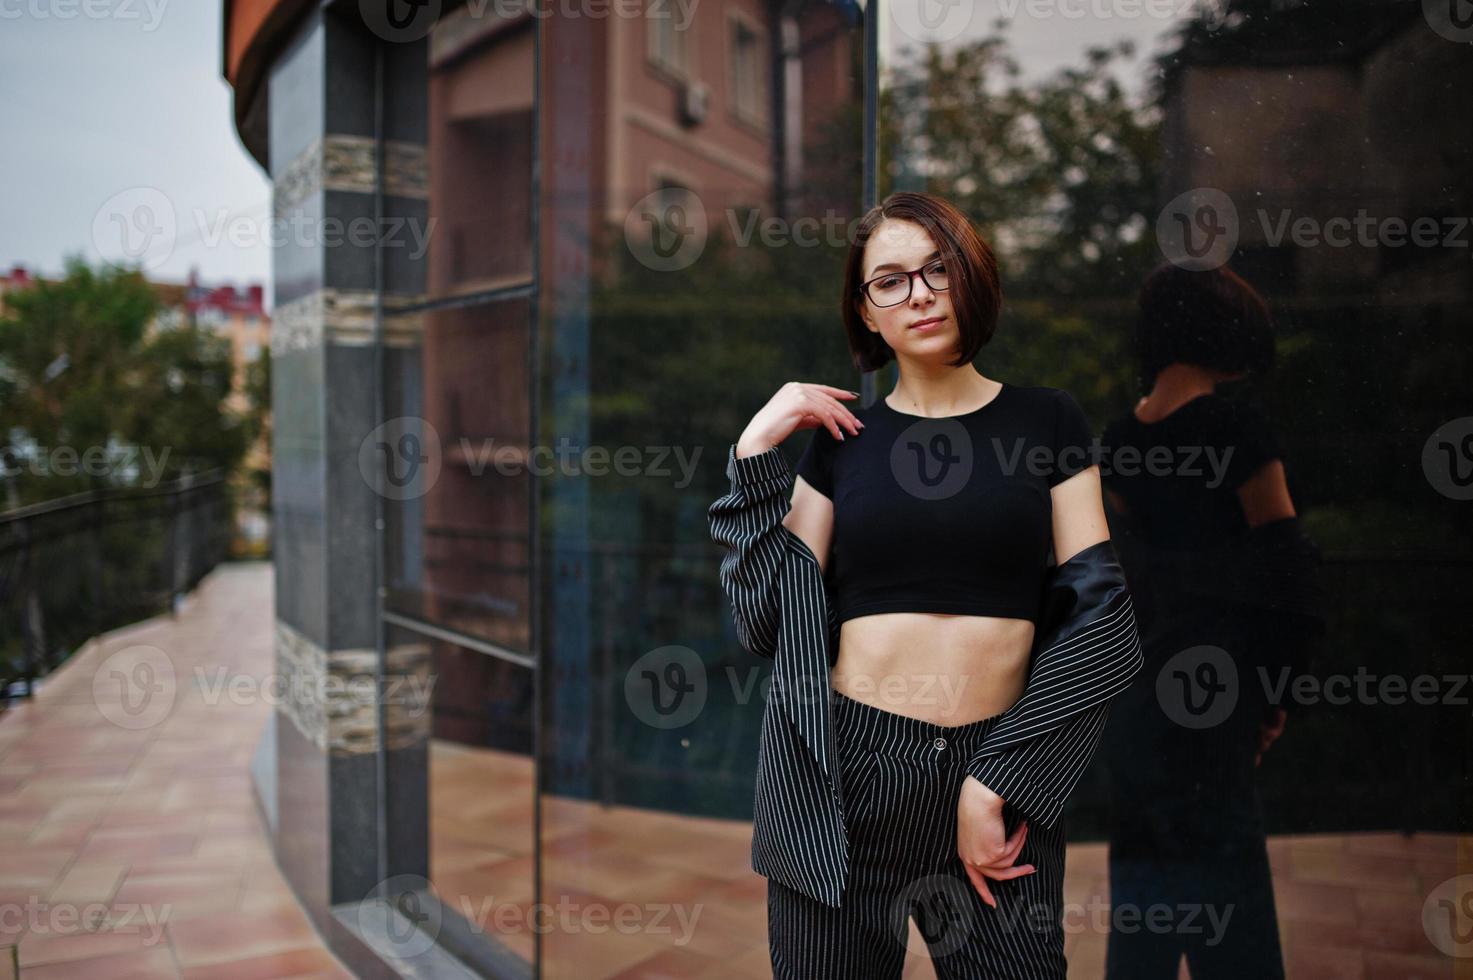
[970,678]
[1227,601]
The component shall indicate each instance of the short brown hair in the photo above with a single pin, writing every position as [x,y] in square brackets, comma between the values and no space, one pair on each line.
[1211,318]
[975,291]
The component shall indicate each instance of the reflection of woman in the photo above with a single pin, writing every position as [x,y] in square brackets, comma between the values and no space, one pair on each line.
[971,678]
[1220,575]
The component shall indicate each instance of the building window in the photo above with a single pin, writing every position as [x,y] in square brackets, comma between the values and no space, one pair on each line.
[667,37]
[748,82]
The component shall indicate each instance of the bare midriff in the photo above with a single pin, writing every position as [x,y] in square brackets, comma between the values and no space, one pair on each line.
[949,669]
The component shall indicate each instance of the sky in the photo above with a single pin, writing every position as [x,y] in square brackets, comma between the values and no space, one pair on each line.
[1045,35]
[122,122]
[132,104]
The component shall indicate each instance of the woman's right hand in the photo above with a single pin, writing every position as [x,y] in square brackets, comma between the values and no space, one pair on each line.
[982,841]
[798,405]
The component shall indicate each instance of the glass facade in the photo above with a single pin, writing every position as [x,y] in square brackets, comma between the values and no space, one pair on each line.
[635,226]
[459,549]
[673,302]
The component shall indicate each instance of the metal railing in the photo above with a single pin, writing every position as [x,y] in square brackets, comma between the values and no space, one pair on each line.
[80,565]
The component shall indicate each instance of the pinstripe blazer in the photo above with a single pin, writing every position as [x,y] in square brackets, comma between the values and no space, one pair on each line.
[1086,649]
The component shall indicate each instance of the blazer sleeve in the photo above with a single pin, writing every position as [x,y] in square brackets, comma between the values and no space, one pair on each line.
[748,523]
[1087,650]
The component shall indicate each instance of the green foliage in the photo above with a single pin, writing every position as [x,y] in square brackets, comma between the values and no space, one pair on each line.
[1060,175]
[88,385]
[175,399]
[256,423]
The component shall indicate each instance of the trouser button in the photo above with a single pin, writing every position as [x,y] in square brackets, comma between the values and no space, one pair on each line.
[940,743]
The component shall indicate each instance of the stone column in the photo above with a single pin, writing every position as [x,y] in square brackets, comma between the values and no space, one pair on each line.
[317,768]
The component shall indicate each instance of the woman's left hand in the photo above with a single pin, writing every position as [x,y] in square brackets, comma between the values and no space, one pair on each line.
[981,839]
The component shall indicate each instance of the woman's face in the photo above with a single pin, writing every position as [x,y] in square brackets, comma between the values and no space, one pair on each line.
[895,246]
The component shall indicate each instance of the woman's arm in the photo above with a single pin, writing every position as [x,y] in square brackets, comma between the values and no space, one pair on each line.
[811,518]
[1079,514]
[1280,571]
[1264,496]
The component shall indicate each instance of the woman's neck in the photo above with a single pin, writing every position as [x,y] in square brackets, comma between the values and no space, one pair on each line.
[1175,385]
[950,391]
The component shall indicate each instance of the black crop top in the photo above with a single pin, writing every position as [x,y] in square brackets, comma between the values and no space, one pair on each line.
[951,514]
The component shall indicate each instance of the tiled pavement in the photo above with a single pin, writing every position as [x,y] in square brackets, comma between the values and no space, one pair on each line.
[153,826]
[159,819]
[1350,906]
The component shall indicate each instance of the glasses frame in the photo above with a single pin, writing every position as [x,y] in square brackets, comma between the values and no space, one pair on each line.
[910,282]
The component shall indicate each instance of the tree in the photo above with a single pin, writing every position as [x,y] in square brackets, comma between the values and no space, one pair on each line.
[256,424]
[82,378]
[175,402]
[1061,174]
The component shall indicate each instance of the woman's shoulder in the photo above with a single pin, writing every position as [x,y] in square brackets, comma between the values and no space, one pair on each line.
[1042,397]
[1051,416]
[1211,415]
[1046,395]
[1239,405]
[1034,391]
[1229,414]
[1048,403]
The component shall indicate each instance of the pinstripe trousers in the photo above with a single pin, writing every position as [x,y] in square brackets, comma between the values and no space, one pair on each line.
[901,778]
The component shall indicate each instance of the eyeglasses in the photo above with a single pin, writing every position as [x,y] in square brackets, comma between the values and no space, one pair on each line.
[894,287]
